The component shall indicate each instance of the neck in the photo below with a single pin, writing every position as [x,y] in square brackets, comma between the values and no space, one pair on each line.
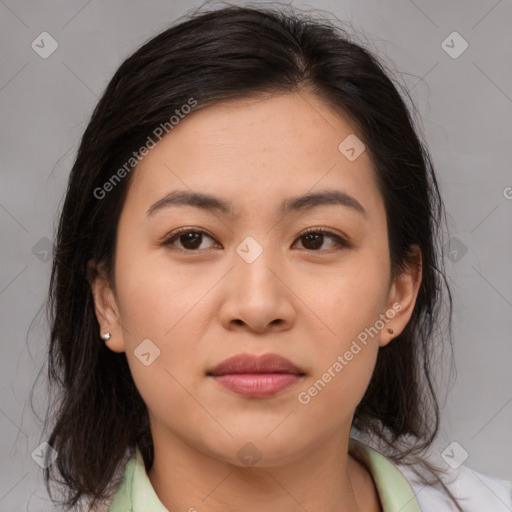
[324,478]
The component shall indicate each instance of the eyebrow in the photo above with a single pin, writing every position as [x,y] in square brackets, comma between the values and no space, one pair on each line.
[300,203]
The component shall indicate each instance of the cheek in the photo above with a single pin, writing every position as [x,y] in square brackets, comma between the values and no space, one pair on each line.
[169,396]
[349,303]
[343,370]
[157,308]
[154,296]
[351,299]
[160,304]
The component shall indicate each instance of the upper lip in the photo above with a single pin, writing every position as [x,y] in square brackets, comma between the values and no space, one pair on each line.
[248,363]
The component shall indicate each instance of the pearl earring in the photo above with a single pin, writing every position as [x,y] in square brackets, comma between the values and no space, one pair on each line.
[106,336]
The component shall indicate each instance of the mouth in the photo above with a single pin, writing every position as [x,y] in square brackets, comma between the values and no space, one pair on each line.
[256,376]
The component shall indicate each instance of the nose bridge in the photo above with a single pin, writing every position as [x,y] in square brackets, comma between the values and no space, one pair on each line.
[254,295]
[253,261]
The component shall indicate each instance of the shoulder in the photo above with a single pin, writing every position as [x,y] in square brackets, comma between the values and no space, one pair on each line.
[474,491]
[135,493]
[122,500]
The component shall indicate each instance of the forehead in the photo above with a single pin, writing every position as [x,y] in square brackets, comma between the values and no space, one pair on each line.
[253,150]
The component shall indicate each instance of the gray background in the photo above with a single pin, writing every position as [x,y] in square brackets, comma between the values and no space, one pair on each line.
[465,105]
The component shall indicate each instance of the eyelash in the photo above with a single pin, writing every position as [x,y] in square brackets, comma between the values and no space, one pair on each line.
[341,243]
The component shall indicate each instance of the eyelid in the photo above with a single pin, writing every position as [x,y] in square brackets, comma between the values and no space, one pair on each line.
[168,239]
[340,240]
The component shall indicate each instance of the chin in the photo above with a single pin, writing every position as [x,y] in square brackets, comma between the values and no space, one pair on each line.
[257,449]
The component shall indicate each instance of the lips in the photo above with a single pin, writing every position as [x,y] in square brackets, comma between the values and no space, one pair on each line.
[251,364]
[256,376]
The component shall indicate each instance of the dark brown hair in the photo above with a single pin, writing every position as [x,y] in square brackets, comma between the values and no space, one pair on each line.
[98,417]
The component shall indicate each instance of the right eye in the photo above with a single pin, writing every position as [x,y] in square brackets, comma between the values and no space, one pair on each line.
[189,238]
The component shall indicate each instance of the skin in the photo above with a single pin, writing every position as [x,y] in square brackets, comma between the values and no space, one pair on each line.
[306,304]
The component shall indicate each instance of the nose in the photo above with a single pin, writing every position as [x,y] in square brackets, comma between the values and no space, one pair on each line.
[256,297]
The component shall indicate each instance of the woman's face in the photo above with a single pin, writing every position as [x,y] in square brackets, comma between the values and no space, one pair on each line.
[254,282]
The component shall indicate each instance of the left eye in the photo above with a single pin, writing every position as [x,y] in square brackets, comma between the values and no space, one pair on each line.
[315,238]
[190,239]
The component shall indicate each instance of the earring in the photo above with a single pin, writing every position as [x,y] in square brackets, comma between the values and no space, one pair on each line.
[106,336]
[390,331]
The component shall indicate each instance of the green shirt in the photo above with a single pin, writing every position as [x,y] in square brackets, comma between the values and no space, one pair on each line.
[136,494]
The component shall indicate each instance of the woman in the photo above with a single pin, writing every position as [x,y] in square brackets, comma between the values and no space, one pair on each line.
[247,282]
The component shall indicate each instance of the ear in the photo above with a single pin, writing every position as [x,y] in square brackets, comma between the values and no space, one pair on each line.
[105,306]
[402,297]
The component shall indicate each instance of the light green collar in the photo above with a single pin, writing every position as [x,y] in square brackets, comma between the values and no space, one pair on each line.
[136,494]
[395,493]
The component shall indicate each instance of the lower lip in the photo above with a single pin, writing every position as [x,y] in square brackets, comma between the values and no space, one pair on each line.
[257,384]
